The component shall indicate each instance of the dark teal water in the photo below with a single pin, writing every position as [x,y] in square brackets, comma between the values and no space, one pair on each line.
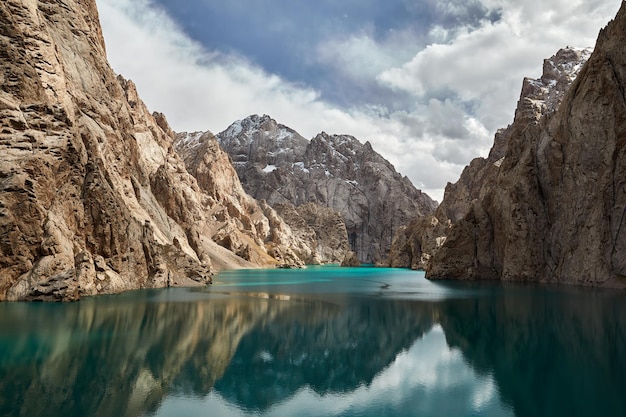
[319,342]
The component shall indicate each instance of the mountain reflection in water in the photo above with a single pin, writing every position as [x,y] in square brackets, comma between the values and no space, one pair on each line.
[323,341]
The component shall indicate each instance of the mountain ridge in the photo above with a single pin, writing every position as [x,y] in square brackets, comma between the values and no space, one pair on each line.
[547,205]
[278,165]
[93,197]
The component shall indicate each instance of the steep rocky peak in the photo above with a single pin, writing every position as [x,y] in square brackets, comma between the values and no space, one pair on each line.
[250,124]
[567,62]
[542,96]
[187,144]
[336,154]
[337,141]
[335,147]
[162,122]
[335,171]
[611,41]
[614,29]
[551,208]
[270,142]
[89,9]
[254,127]
[93,199]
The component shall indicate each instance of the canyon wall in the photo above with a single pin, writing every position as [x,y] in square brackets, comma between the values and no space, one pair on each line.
[278,165]
[548,204]
[93,197]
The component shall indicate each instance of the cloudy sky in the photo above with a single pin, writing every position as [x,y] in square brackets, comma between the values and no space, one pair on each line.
[427,82]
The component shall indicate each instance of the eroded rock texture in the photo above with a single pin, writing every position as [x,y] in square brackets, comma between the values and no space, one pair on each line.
[279,166]
[549,202]
[321,228]
[293,236]
[93,197]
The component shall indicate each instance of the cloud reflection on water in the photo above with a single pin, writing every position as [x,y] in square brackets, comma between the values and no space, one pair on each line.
[349,348]
[419,381]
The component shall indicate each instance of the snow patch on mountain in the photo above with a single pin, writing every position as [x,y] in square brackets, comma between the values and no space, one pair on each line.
[542,95]
[235,129]
[190,140]
[300,166]
[278,165]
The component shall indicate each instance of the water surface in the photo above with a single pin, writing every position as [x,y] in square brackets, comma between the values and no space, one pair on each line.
[320,342]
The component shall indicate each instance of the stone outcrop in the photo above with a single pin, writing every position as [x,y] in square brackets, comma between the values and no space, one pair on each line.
[548,203]
[292,236]
[351,260]
[242,225]
[278,165]
[321,229]
[93,197]
[81,158]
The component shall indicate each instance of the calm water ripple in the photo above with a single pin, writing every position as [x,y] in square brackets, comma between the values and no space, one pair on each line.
[325,341]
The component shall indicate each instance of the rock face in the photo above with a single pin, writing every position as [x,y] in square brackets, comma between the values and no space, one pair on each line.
[548,204]
[240,224]
[294,237]
[93,197]
[321,229]
[279,166]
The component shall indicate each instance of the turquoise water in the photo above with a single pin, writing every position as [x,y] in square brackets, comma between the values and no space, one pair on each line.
[324,341]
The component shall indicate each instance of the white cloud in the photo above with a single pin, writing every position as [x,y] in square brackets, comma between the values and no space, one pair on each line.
[196,89]
[204,90]
[465,87]
[361,57]
[487,65]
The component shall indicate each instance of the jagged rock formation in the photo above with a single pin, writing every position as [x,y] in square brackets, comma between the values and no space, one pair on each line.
[93,198]
[251,230]
[321,228]
[278,165]
[311,235]
[548,203]
[351,260]
[415,245]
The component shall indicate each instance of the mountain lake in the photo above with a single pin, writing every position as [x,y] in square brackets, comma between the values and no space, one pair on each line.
[322,341]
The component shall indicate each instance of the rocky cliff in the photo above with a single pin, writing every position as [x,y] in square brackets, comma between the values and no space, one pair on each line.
[548,204]
[278,165]
[93,197]
[322,229]
[415,244]
[293,236]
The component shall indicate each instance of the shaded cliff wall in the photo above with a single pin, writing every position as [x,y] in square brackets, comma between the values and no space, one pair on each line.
[93,198]
[547,204]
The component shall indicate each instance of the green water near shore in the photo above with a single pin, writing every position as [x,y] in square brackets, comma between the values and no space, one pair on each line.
[324,341]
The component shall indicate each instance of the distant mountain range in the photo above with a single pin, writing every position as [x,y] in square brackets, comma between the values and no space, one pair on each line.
[278,165]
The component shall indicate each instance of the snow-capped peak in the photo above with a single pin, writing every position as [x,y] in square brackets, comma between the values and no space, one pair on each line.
[543,95]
